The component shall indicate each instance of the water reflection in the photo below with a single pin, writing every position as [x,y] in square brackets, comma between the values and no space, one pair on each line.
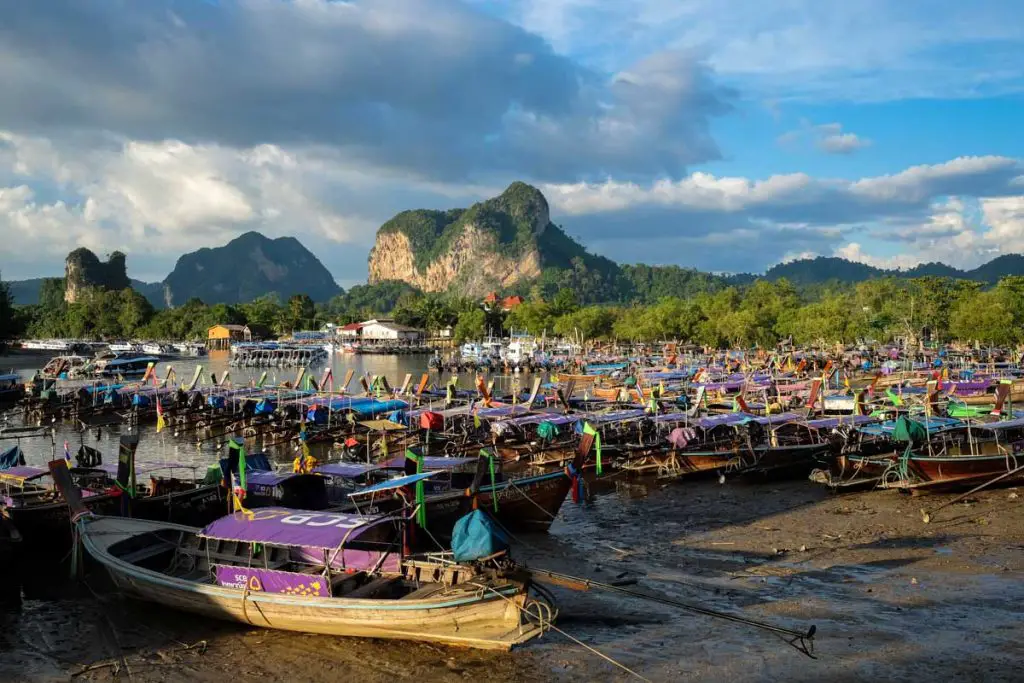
[186,448]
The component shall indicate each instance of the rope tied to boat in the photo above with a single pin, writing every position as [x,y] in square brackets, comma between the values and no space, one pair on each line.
[549,625]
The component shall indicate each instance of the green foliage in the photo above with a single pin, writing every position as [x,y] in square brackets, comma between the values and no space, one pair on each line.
[363,302]
[760,313]
[587,324]
[648,284]
[531,316]
[10,322]
[265,311]
[300,314]
[431,311]
[472,324]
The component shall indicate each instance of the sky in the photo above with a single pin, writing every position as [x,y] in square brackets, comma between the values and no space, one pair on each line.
[725,135]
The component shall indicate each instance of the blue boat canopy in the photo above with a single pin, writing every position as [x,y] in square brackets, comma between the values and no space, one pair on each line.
[395,483]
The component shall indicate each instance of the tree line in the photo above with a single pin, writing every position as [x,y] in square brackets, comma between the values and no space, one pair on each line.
[759,313]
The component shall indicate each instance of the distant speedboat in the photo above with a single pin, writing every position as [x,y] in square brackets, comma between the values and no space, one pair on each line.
[155,349]
[123,347]
[126,367]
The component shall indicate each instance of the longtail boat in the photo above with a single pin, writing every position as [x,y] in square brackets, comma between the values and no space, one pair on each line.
[960,458]
[142,490]
[314,572]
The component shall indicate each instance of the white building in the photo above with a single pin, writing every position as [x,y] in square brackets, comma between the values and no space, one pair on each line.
[389,331]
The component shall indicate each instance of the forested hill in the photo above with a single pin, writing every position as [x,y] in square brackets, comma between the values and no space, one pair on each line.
[831,269]
[248,267]
[244,269]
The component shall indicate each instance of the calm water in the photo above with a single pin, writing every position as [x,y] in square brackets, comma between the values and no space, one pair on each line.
[166,447]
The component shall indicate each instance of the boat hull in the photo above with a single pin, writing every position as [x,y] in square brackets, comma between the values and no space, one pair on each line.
[469,618]
[48,526]
[953,473]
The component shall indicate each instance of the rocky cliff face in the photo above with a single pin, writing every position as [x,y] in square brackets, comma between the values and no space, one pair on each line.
[495,243]
[83,269]
[472,260]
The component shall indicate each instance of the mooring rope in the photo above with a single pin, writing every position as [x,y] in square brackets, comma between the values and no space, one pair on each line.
[550,625]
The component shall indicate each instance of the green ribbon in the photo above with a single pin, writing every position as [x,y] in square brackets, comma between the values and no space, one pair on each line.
[421,502]
[494,492]
[587,429]
[896,400]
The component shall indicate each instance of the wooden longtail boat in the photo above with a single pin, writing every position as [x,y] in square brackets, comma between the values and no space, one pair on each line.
[314,572]
[961,458]
[41,514]
[958,458]
[525,503]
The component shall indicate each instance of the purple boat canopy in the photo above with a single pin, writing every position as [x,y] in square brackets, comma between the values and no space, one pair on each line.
[833,422]
[502,411]
[722,386]
[712,421]
[613,416]
[294,528]
[147,467]
[963,388]
[22,473]
[268,478]
[781,418]
[347,470]
[430,462]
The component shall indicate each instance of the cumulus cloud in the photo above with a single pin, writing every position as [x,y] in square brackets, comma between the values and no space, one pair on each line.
[160,127]
[798,197]
[870,50]
[842,143]
[455,93]
[769,220]
[157,200]
[827,137]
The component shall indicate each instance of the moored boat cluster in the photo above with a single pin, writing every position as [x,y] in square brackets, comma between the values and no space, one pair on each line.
[392,519]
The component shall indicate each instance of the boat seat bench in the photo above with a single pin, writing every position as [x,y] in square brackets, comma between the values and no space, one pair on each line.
[370,589]
[426,591]
[147,552]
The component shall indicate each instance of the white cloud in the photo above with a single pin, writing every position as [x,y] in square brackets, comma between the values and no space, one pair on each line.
[827,137]
[927,210]
[805,49]
[462,93]
[842,143]
[858,200]
[1005,216]
[157,200]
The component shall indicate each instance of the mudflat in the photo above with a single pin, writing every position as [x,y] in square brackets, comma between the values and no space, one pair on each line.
[893,598]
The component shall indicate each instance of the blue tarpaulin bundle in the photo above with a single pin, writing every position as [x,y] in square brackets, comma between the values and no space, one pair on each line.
[12,457]
[476,536]
[217,402]
[139,400]
[265,407]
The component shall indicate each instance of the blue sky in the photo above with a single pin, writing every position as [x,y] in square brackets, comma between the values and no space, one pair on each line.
[721,134]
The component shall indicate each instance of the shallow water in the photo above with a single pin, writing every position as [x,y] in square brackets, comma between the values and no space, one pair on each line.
[892,598]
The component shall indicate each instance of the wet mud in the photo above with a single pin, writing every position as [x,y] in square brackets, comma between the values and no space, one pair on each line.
[892,598]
